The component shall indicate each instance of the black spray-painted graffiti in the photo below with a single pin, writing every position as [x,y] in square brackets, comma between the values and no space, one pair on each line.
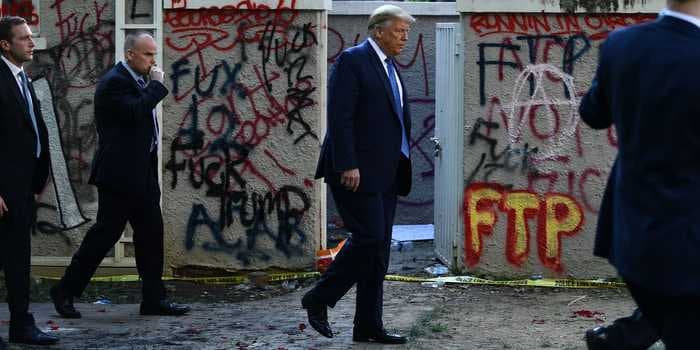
[228,129]
[288,205]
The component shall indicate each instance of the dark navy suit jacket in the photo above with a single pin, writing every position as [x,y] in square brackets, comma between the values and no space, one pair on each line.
[363,126]
[21,173]
[648,86]
[123,113]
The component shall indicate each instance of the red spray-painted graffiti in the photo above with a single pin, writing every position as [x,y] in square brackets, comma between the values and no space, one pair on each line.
[244,72]
[558,215]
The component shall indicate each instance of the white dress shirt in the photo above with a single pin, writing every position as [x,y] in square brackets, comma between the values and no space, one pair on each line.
[382,57]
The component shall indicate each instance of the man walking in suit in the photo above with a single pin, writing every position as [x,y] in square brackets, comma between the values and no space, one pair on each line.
[24,155]
[646,85]
[627,333]
[365,160]
[125,171]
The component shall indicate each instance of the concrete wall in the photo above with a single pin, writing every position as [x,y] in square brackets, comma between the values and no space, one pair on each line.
[348,27]
[534,173]
[241,137]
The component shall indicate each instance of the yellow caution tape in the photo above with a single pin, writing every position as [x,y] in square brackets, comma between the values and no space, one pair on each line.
[545,282]
[279,277]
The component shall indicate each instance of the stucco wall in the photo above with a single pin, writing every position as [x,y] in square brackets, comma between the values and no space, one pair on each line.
[241,137]
[534,173]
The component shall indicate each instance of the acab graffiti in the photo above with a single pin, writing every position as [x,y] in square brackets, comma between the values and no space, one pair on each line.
[245,77]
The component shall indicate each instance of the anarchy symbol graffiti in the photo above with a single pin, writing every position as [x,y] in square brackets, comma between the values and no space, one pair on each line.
[524,103]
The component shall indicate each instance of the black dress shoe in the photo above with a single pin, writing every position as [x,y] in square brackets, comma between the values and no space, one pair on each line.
[163,308]
[598,339]
[317,314]
[633,332]
[27,333]
[380,336]
[2,345]
[63,303]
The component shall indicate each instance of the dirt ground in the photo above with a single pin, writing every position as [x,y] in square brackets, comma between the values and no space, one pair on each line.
[270,317]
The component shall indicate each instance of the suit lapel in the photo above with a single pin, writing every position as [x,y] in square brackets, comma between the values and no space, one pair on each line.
[12,83]
[122,70]
[379,69]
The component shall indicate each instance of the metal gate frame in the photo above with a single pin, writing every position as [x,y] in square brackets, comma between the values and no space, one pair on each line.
[449,141]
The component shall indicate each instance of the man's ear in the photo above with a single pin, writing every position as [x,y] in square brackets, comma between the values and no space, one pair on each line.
[378,33]
[4,45]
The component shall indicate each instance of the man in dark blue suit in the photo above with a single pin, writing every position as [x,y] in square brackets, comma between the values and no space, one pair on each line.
[647,86]
[24,162]
[365,160]
[125,171]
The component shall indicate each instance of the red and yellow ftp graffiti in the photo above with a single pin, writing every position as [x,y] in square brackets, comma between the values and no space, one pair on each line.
[557,215]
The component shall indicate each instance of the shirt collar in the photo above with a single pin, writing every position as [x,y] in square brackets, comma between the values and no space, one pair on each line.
[682,16]
[378,50]
[13,68]
[131,71]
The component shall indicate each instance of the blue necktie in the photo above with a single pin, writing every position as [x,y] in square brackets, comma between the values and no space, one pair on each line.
[154,143]
[30,107]
[397,102]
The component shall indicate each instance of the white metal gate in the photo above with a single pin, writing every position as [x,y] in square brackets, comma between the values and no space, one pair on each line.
[448,141]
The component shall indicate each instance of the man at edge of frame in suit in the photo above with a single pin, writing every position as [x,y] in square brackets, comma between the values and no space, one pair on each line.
[24,158]
[649,222]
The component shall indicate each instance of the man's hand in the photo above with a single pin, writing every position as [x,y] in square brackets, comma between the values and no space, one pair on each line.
[3,207]
[156,73]
[351,179]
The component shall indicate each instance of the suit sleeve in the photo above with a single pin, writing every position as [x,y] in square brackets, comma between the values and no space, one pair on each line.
[342,100]
[119,94]
[595,106]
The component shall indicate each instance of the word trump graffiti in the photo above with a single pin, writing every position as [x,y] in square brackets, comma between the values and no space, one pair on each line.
[242,134]
[557,215]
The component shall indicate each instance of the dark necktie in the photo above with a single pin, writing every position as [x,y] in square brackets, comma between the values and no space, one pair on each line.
[30,107]
[397,104]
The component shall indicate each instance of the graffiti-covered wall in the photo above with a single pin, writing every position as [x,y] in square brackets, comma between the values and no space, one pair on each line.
[347,28]
[534,172]
[241,135]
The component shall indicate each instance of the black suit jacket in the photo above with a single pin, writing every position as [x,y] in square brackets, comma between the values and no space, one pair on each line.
[647,86]
[123,114]
[364,131]
[21,173]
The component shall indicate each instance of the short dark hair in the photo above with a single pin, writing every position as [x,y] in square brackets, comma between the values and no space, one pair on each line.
[6,25]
